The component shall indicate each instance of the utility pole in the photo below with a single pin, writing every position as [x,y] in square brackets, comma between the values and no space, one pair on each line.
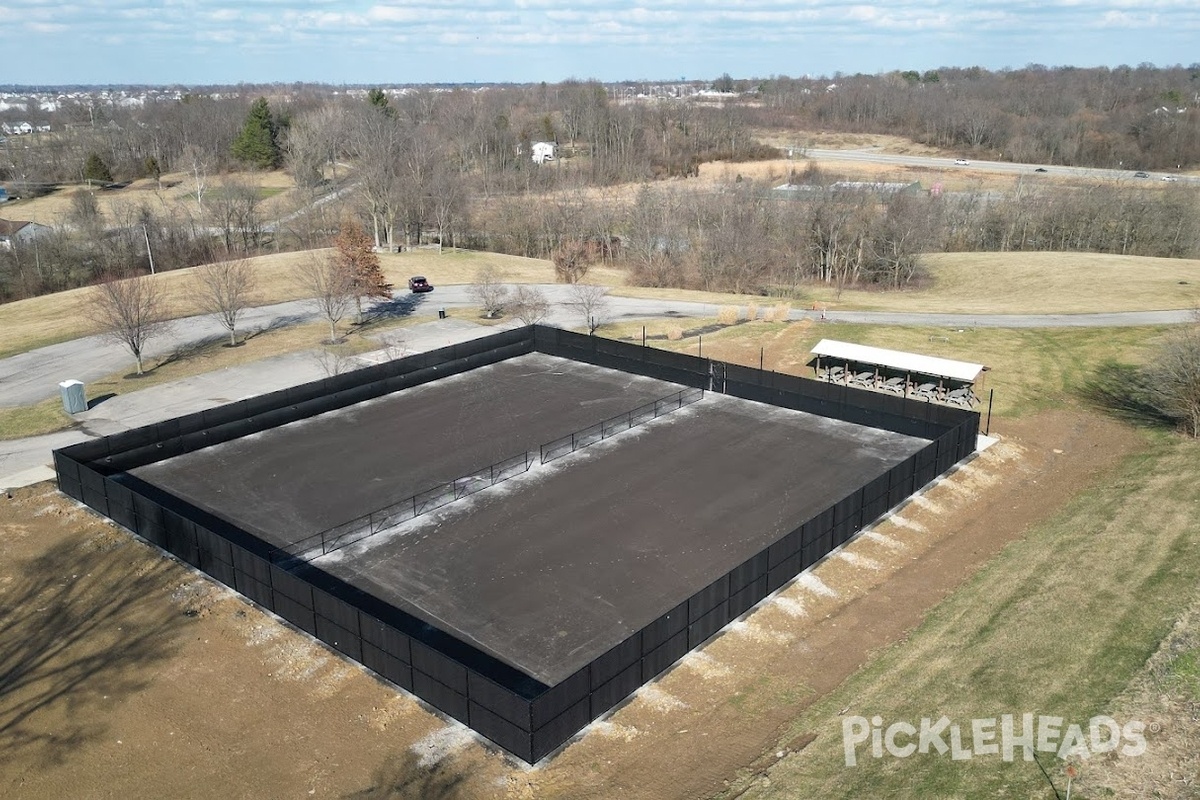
[149,254]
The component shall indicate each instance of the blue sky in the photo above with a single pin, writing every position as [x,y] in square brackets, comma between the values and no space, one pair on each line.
[418,41]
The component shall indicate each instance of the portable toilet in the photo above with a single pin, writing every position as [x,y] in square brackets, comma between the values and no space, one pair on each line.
[73,399]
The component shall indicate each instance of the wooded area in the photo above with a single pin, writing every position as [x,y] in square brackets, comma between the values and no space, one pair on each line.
[452,165]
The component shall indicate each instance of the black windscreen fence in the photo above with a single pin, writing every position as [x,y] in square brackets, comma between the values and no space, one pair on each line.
[519,713]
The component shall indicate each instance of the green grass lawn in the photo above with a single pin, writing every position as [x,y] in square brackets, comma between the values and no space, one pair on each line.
[1030,369]
[1058,624]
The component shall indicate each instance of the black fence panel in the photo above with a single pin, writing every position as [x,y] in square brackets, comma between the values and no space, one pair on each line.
[296,613]
[181,538]
[65,467]
[557,699]
[388,667]
[84,452]
[340,612]
[707,625]
[660,658]
[132,439]
[440,696]
[495,727]
[790,567]
[548,737]
[783,549]
[665,627]
[149,520]
[385,638]
[708,598]
[743,600]
[221,571]
[255,590]
[620,686]
[341,639]
[616,660]
[500,701]
[748,572]
[436,665]
[300,591]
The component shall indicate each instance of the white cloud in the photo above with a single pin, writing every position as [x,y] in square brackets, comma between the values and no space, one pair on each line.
[446,40]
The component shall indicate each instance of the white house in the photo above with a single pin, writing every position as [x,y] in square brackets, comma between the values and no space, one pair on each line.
[15,232]
[543,152]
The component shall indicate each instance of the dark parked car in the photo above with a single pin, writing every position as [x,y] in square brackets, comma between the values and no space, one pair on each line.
[1041,169]
[417,284]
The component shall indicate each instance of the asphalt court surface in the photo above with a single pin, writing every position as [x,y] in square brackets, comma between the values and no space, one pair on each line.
[548,570]
[293,481]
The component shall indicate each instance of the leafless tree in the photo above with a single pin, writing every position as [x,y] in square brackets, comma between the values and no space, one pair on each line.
[198,166]
[571,260]
[530,305]
[376,142]
[1173,378]
[236,208]
[225,290]
[489,292]
[330,287]
[130,311]
[591,303]
[306,150]
[333,362]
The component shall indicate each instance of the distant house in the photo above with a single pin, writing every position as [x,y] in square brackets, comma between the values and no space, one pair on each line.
[543,152]
[15,232]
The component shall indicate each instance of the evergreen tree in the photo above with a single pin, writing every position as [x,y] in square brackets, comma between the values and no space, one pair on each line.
[379,99]
[258,143]
[94,169]
[357,257]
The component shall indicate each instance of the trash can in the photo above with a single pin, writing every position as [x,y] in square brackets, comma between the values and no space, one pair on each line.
[442,312]
[73,399]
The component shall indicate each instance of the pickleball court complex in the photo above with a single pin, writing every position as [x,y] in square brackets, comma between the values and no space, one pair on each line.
[524,529]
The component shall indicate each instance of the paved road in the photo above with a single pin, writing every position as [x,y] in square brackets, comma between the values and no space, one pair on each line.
[875,156]
[24,461]
[34,376]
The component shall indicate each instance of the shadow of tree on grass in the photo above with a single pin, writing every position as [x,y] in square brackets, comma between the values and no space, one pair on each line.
[1123,390]
[403,778]
[81,627]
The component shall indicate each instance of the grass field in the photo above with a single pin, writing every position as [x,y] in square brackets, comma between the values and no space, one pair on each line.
[1058,624]
[174,195]
[966,283]
[1062,623]
[1006,283]
[1030,369]
[40,321]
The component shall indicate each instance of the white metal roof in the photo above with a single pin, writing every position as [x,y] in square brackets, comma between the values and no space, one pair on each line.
[899,360]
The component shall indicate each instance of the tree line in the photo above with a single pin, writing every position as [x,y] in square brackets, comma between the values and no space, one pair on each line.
[454,166]
[1142,117]
[750,238]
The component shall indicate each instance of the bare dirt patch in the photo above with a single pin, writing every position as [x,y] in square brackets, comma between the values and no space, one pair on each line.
[225,701]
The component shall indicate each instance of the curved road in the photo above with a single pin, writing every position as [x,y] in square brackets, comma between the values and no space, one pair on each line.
[34,376]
